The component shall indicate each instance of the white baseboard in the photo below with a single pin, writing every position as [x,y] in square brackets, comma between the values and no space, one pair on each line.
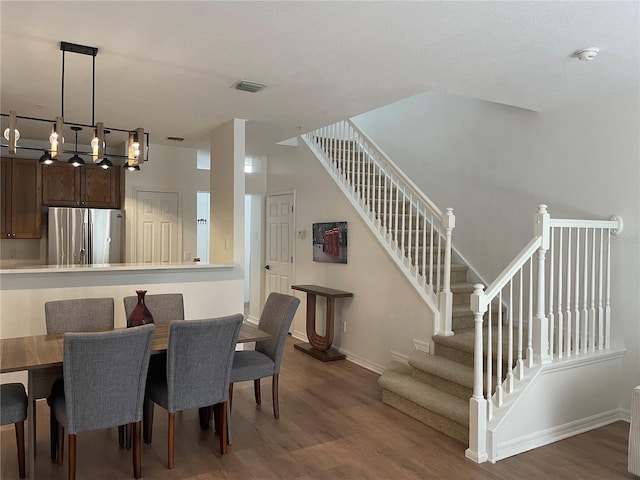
[252,320]
[399,357]
[555,434]
[352,357]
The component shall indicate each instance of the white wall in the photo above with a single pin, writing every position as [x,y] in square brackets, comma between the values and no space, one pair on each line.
[169,169]
[493,164]
[384,315]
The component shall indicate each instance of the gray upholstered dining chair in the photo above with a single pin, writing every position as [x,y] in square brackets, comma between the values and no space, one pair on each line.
[79,315]
[104,376]
[199,356]
[265,359]
[74,315]
[164,307]
[13,409]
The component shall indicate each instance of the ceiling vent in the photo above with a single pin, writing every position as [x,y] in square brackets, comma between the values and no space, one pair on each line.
[176,139]
[247,86]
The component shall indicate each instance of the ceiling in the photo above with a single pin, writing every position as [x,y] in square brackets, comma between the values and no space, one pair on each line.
[169,66]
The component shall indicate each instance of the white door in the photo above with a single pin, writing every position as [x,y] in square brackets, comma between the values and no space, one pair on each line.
[279,248]
[158,234]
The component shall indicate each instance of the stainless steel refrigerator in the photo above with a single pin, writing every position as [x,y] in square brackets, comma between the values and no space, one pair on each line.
[84,236]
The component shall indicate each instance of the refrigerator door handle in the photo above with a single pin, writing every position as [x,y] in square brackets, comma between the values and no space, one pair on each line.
[89,243]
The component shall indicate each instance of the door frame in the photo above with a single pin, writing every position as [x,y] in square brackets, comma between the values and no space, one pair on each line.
[134,223]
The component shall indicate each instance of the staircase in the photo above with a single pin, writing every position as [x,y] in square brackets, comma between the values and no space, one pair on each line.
[547,313]
[434,389]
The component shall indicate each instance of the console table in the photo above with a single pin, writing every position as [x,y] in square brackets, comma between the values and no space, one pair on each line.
[320,346]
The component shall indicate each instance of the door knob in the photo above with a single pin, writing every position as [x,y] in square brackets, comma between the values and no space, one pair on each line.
[267,267]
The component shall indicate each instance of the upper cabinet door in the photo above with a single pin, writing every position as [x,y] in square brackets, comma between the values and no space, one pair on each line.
[64,185]
[100,188]
[5,197]
[21,198]
[61,185]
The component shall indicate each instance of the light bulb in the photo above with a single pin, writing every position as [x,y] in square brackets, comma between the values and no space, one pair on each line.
[7,133]
[94,148]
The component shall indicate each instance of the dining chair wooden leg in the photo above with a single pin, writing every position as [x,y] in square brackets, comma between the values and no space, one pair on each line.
[274,396]
[129,430]
[230,396]
[222,414]
[72,456]
[53,435]
[60,455]
[256,391]
[121,436]
[172,422]
[216,417]
[137,450]
[19,426]
[35,423]
[204,413]
[147,420]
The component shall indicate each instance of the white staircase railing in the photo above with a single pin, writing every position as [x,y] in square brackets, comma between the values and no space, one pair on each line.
[413,230]
[556,291]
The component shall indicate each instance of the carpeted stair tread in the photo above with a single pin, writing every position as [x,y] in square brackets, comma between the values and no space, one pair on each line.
[462,287]
[461,311]
[442,367]
[398,378]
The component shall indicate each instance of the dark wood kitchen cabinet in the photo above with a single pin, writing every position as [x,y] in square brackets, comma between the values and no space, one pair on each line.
[21,198]
[64,185]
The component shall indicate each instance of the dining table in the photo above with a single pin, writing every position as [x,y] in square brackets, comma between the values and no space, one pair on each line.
[42,357]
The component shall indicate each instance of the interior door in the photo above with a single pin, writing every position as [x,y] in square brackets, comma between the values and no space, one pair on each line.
[279,244]
[158,228]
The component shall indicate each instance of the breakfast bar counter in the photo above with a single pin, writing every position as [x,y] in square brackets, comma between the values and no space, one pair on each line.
[208,290]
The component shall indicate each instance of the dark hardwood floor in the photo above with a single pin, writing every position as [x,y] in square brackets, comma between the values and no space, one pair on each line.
[332,425]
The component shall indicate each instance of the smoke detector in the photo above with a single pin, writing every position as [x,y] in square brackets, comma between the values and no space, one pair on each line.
[248,86]
[586,54]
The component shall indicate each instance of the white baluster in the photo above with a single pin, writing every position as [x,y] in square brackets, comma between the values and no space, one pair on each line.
[520,365]
[585,283]
[489,361]
[568,337]
[431,246]
[592,304]
[559,290]
[439,264]
[576,301]
[499,398]
[552,325]
[424,249]
[600,309]
[510,340]
[530,317]
[607,307]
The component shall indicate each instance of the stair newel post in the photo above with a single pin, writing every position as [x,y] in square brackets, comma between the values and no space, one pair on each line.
[540,322]
[446,296]
[478,413]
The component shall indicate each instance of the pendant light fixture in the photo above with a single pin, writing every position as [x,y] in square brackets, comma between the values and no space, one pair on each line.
[138,139]
[11,133]
[45,159]
[97,143]
[105,162]
[55,139]
[76,160]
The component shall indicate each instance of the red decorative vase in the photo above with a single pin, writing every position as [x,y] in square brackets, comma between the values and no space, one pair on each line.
[140,314]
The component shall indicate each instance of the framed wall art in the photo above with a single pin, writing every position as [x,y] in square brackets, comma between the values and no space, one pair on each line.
[330,242]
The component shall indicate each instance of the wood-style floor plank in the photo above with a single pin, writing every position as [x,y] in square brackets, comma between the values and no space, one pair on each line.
[332,426]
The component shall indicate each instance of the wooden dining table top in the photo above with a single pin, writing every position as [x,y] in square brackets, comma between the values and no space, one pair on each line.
[42,351]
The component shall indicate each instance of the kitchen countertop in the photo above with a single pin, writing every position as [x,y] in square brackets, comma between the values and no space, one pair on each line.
[113,267]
